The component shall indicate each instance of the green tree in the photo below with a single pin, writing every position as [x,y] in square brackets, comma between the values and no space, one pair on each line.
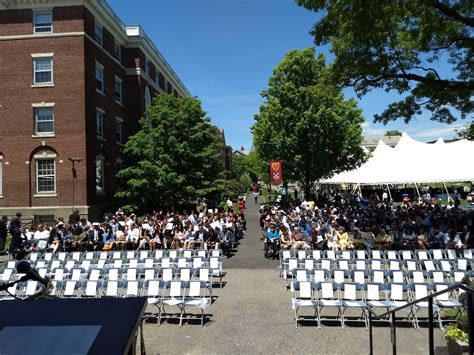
[306,123]
[467,132]
[392,133]
[175,154]
[400,45]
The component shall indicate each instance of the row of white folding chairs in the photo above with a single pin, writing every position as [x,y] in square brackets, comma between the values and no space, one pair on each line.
[434,254]
[194,262]
[378,276]
[129,254]
[367,298]
[376,264]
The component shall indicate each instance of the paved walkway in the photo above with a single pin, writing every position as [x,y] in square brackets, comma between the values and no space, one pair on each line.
[252,314]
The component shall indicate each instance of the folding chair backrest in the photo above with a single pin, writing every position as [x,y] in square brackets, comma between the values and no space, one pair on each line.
[343,264]
[373,292]
[292,264]
[422,254]
[327,290]
[325,264]
[215,263]
[309,264]
[94,274]
[91,288]
[149,263]
[394,265]
[132,288]
[175,288]
[194,289]
[197,262]
[86,264]
[316,254]
[111,289]
[33,256]
[131,274]
[446,265]
[418,277]
[39,264]
[89,255]
[43,272]
[70,288]
[76,255]
[59,274]
[173,254]
[118,263]
[116,255]
[301,254]
[187,253]
[133,263]
[182,262]
[158,254]
[165,262]
[103,255]
[201,253]
[130,254]
[346,254]
[301,275]
[31,287]
[451,254]
[411,265]
[149,274]
[376,264]
[305,289]
[185,274]
[444,296]
[319,275]
[429,265]
[285,254]
[459,275]
[331,254]
[437,254]
[216,252]
[7,273]
[55,264]
[143,254]
[396,291]
[421,290]
[339,276]
[204,274]
[360,254]
[359,276]
[101,263]
[113,274]
[360,264]
[467,253]
[153,288]
[407,255]
[76,274]
[398,277]
[350,291]
[462,264]
[167,274]
[378,276]
[48,256]
[376,254]
[437,276]
[392,255]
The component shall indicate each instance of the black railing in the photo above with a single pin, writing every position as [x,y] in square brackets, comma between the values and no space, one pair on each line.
[469,305]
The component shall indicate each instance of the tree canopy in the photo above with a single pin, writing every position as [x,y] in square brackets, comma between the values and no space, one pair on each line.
[175,156]
[400,45]
[467,132]
[392,133]
[305,122]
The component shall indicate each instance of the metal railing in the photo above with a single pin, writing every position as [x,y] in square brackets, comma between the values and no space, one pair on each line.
[469,305]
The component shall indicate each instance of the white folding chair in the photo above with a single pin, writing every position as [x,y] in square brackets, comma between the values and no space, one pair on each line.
[196,297]
[91,289]
[351,301]
[175,297]
[327,298]
[132,288]
[302,296]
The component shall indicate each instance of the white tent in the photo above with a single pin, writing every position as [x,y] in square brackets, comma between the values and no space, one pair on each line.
[412,161]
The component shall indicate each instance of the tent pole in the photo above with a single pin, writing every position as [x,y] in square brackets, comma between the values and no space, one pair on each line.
[389,192]
[417,191]
[446,188]
[360,190]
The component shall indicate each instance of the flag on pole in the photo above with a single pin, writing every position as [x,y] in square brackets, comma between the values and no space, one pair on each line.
[276,174]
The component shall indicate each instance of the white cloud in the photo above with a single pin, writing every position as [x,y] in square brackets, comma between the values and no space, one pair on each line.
[372,131]
[445,132]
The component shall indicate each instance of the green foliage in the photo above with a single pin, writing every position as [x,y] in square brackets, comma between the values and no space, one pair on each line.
[453,331]
[399,45]
[467,132]
[393,133]
[175,154]
[250,165]
[306,123]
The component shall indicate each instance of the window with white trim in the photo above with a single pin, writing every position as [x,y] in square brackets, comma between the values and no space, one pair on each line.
[43,22]
[118,89]
[45,176]
[99,174]
[99,123]
[99,77]
[117,51]
[119,130]
[43,70]
[98,32]
[44,120]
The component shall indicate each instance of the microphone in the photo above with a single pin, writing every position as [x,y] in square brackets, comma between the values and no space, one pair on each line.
[24,267]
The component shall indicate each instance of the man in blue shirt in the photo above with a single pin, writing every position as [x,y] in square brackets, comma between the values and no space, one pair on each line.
[272,242]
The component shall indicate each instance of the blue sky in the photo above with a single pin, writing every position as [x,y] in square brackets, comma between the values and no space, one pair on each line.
[224,51]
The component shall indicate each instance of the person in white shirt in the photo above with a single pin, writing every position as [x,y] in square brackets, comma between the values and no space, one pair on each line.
[229,204]
[41,236]
[133,235]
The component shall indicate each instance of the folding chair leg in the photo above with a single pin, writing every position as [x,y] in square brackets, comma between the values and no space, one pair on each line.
[202,318]
[181,317]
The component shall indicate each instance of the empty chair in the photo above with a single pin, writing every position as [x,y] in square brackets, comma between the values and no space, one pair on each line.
[215,252]
[59,274]
[202,253]
[310,263]
[116,255]
[143,254]
[131,274]
[359,276]
[90,289]
[429,265]
[445,265]
[467,254]
[438,276]
[326,264]
[394,264]
[343,264]
[361,254]
[174,296]
[185,274]
[103,255]
[461,264]
[149,263]
[33,256]
[159,254]
[131,288]
[289,266]
[133,263]
[396,295]
[346,254]
[376,264]
[330,254]
[320,275]
[410,265]
[117,263]
[182,262]
[7,274]
[187,253]
[197,262]
[130,254]
[302,296]
[406,254]
[173,253]
[359,264]
[391,255]
[30,288]
[48,256]
[196,296]
[445,300]
[376,254]
[418,276]
[89,255]
[327,298]
[152,291]
[419,291]
[375,296]
[301,254]
[113,274]
[397,276]
[40,264]
[215,264]
[70,264]
[437,254]
[451,253]
[350,300]
[76,274]
[75,255]
[111,288]
[378,276]
[316,254]
[86,264]
[458,275]
[340,276]
[149,274]
[301,275]
[95,274]
[165,262]
[167,274]
[55,264]
[101,263]
[70,288]
[422,254]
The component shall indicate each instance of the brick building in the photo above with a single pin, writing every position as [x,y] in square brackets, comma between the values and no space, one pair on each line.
[75,82]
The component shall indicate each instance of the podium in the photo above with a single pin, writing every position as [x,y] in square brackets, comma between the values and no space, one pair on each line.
[71,326]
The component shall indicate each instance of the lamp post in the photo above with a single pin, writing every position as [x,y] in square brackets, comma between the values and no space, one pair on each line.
[74,177]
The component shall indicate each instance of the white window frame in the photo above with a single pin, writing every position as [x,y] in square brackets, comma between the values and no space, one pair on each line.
[35,109]
[101,67]
[36,26]
[119,123]
[35,58]
[39,158]
[98,38]
[118,81]
[100,135]
[101,159]
[118,53]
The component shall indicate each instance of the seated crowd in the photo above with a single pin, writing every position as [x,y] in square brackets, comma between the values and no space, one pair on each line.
[342,221]
[160,230]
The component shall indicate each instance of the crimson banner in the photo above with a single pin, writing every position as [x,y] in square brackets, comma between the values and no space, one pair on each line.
[276,174]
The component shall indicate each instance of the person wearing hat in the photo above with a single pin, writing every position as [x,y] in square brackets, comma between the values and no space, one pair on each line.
[272,241]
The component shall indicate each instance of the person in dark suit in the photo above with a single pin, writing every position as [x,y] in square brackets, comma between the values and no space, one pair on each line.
[18,246]
[200,236]
[3,233]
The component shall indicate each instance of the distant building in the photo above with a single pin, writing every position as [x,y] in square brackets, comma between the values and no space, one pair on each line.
[370,142]
[241,152]
[75,82]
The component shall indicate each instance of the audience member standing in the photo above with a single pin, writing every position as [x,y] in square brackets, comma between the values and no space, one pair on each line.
[3,233]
